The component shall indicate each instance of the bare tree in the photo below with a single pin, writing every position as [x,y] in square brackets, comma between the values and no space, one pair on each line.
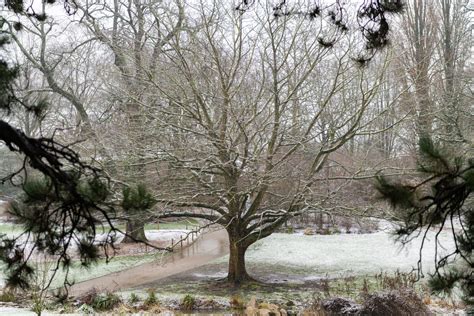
[455,45]
[49,60]
[246,128]
[136,32]
[419,28]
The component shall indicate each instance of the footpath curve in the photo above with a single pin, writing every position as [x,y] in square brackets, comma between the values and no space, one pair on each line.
[208,247]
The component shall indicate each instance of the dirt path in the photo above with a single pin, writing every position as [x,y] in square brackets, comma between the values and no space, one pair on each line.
[208,247]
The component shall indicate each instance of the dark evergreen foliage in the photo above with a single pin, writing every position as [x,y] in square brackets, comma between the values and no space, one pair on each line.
[136,199]
[55,218]
[444,197]
[372,19]
[63,208]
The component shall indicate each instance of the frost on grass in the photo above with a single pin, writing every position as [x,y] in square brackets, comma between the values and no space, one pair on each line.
[343,254]
[154,235]
[119,263]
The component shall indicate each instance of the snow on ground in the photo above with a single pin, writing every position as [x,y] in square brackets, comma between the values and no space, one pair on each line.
[4,310]
[15,311]
[157,235]
[343,253]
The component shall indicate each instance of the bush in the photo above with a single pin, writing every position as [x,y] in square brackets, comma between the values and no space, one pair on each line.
[151,298]
[133,299]
[236,302]
[107,301]
[39,305]
[7,296]
[188,302]
[394,303]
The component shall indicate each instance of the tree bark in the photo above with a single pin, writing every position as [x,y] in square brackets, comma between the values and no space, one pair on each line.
[135,231]
[237,271]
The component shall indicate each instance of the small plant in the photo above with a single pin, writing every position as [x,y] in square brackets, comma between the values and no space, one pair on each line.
[38,289]
[347,224]
[316,307]
[188,302]
[7,296]
[365,290]
[236,302]
[133,299]
[325,287]
[151,298]
[66,308]
[386,281]
[107,301]
[39,304]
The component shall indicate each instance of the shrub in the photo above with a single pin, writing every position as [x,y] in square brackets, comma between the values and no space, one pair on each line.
[7,296]
[188,302]
[151,298]
[107,301]
[236,302]
[133,299]
[398,280]
[39,305]
[395,302]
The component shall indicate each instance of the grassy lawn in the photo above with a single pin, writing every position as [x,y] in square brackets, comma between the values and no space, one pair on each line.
[79,273]
[11,229]
[285,294]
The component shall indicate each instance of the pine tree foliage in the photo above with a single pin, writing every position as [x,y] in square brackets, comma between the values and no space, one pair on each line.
[371,16]
[444,197]
[64,208]
[137,198]
[55,219]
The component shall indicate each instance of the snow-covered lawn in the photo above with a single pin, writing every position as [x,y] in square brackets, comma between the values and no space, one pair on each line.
[155,235]
[344,253]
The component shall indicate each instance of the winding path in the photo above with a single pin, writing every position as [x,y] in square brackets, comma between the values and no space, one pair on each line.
[208,247]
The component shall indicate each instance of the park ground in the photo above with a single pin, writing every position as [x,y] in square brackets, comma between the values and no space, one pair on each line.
[292,269]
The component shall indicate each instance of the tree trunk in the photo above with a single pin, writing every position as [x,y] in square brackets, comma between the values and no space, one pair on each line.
[237,271]
[135,231]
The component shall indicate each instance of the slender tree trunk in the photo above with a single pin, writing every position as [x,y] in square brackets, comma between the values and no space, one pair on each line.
[135,231]
[237,271]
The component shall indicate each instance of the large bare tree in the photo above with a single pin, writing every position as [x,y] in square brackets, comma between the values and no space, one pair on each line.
[252,107]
